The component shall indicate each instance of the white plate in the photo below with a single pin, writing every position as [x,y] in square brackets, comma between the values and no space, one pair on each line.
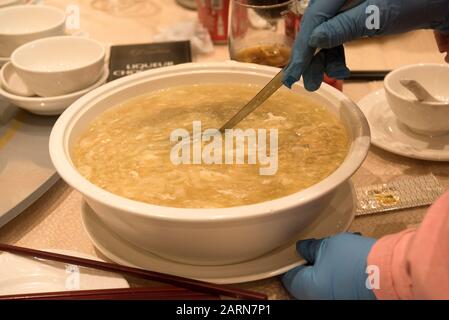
[51,105]
[389,134]
[335,219]
[26,171]
[28,275]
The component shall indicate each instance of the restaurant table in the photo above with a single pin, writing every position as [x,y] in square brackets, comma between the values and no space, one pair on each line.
[54,221]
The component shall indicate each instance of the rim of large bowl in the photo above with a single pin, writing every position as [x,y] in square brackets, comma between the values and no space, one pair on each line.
[61,158]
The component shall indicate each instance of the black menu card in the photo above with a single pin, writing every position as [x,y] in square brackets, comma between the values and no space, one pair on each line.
[129,59]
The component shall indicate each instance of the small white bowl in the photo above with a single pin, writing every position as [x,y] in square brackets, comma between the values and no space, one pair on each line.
[52,105]
[427,118]
[59,65]
[24,23]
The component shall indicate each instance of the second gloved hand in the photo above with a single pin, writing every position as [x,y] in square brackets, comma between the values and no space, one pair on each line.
[323,26]
[337,270]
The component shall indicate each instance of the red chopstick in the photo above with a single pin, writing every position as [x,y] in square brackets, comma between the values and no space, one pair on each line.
[151,293]
[194,285]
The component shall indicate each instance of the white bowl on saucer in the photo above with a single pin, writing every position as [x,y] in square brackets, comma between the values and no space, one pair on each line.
[388,133]
[61,65]
[427,118]
[24,23]
[213,236]
[50,105]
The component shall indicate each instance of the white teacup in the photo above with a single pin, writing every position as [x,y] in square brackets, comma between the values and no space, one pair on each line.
[427,118]
[24,23]
[59,65]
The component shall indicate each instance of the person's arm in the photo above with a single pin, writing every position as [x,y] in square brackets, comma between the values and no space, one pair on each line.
[413,264]
[323,26]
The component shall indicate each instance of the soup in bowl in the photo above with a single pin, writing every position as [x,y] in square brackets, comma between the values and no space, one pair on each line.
[146,153]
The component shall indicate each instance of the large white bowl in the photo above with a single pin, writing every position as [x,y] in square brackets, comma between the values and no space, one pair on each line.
[204,236]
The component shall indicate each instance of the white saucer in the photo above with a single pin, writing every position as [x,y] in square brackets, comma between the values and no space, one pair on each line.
[51,105]
[12,82]
[336,218]
[389,134]
[27,275]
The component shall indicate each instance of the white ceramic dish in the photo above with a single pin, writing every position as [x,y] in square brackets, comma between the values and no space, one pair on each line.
[19,275]
[12,82]
[204,236]
[391,135]
[338,216]
[4,60]
[51,105]
[426,118]
[24,23]
[26,171]
[61,65]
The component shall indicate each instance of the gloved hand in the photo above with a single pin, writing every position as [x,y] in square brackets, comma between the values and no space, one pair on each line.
[322,26]
[337,270]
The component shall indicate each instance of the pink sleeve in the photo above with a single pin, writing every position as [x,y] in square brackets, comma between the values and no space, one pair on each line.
[414,264]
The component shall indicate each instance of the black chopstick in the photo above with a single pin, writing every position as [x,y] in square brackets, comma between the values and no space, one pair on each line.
[149,293]
[367,75]
[190,284]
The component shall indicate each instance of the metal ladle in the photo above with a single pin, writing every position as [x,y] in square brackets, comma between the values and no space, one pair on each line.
[272,86]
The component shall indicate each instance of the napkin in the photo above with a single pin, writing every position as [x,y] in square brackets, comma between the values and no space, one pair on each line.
[187,30]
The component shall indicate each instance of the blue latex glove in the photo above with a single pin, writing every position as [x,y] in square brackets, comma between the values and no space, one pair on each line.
[337,270]
[324,27]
